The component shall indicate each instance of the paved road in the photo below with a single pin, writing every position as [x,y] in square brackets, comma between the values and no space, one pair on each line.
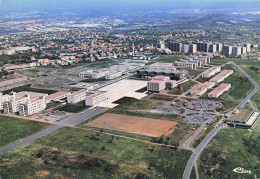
[186,145]
[74,120]
[200,148]
[245,100]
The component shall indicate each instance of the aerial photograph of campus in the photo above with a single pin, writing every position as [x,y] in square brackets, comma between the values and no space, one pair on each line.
[129,89]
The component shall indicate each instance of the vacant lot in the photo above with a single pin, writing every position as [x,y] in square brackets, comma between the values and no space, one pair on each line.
[231,148]
[77,153]
[12,129]
[29,73]
[28,88]
[133,124]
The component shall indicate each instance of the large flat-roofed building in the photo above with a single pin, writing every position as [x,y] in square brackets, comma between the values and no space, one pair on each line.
[159,83]
[243,118]
[219,90]
[94,98]
[57,96]
[211,71]
[32,106]
[155,85]
[185,64]
[202,88]
[12,106]
[76,96]
[221,76]
[165,69]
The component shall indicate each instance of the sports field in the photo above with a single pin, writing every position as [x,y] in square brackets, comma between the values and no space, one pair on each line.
[133,124]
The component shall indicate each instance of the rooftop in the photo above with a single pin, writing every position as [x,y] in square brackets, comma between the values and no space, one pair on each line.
[242,115]
[220,88]
[221,75]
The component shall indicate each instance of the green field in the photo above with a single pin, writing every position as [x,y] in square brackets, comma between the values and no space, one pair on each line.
[74,108]
[241,86]
[77,153]
[219,61]
[29,73]
[12,129]
[28,88]
[231,148]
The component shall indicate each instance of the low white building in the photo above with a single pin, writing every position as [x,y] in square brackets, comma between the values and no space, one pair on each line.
[219,90]
[113,75]
[32,106]
[211,71]
[76,97]
[93,98]
[159,83]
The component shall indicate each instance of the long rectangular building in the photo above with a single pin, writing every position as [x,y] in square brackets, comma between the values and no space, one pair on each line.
[219,90]
[211,71]
[76,96]
[202,88]
[221,76]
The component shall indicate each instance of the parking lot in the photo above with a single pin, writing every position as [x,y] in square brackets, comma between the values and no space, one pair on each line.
[51,116]
[166,110]
[198,118]
[203,105]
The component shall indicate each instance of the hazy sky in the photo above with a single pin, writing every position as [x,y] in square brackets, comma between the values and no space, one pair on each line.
[122,5]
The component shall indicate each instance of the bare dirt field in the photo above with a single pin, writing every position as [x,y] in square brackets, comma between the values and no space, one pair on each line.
[132,124]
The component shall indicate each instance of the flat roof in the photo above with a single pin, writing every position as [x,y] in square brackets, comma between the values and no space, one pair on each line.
[222,74]
[155,81]
[56,95]
[202,86]
[242,115]
[211,69]
[252,118]
[77,92]
[220,88]
[96,93]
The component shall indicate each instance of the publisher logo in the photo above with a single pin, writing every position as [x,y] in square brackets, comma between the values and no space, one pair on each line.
[241,170]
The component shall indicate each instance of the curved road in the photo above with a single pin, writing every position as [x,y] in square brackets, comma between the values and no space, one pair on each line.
[193,158]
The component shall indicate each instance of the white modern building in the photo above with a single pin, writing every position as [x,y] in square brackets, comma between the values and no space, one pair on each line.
[113,75]
[4,98]
[218,91]
[76,96]
[32,106]
[12,106]
[94,98]
[211,71]
[159,83]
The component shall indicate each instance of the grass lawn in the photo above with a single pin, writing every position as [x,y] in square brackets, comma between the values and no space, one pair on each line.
[91,80]
[12,129]
[253,69]
[28,88]
[241,86]
[219,61]
[74,108]
[63,151]
[227,151]
[29,73]
[52,105]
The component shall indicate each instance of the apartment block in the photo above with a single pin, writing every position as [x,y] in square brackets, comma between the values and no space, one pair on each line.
[221,76]
[202,88]
[32,106]
[4,98]
[218,91]
[94,98]
[211,71]
[57,96]
[12,106]
[76,96]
